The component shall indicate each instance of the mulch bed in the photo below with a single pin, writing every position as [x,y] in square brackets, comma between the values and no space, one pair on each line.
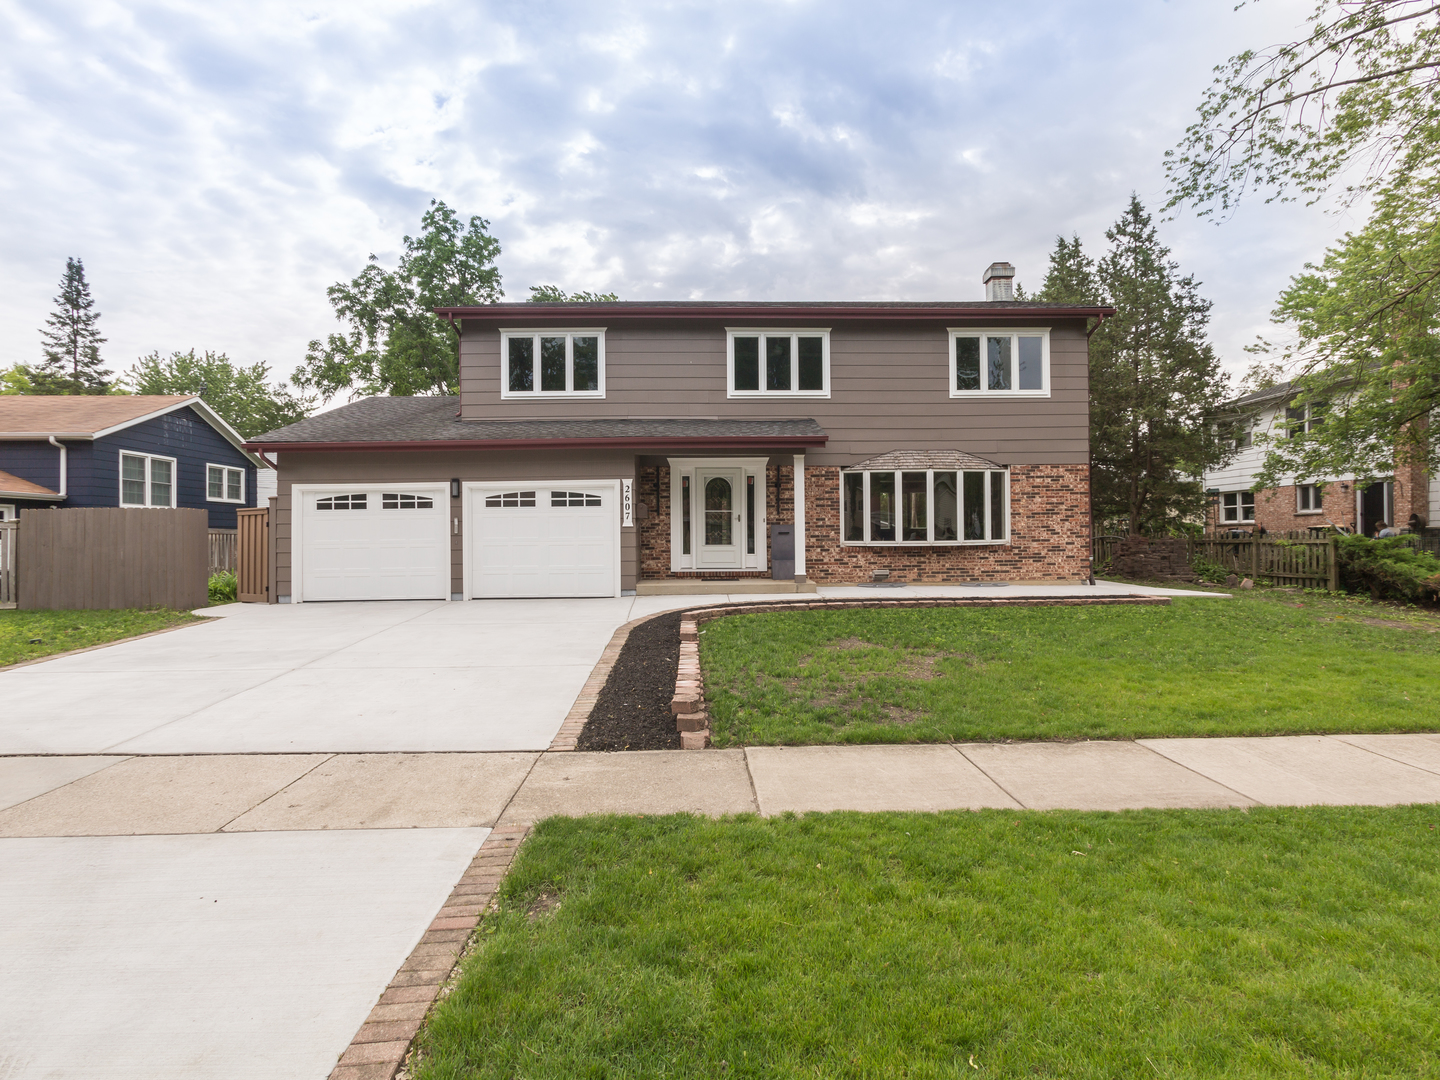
[633,709]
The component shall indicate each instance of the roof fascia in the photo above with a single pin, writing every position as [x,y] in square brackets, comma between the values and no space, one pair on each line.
[778,442]
[38,496]
[790,313]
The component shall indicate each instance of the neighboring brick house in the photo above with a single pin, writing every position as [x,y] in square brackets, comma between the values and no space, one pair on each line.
[599,449]
[1338,501]
[127,450]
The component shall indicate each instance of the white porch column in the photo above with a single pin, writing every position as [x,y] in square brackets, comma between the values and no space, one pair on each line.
[799,517]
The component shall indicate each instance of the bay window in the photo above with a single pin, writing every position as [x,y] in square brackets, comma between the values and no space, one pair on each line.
[925,506]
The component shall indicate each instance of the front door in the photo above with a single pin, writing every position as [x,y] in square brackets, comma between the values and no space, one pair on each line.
[721,526]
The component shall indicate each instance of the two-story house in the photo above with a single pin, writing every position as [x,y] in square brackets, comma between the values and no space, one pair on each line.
[1346,501]
[600,449]
[127,450]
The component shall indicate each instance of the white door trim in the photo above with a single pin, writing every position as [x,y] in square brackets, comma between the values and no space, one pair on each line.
[471,488]
[297,519]
[745,465]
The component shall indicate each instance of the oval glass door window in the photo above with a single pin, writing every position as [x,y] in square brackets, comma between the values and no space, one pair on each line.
[719,511]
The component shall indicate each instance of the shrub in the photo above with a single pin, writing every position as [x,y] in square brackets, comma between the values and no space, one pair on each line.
[1209,570]
[1389,569]
[224,587]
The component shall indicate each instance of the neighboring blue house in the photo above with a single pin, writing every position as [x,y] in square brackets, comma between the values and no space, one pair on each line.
[121,450]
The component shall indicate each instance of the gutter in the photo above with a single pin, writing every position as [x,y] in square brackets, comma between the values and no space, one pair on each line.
[783,443]
[64,467]
[781,314]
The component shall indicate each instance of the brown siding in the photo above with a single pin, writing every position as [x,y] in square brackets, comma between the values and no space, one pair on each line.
[107,557]
[889,389]
[423,467]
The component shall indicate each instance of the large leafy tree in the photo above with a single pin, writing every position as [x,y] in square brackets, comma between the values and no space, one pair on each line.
[244,396]
[393,342]
[1155,382]
[553,294]
[1355,105]
[71,341]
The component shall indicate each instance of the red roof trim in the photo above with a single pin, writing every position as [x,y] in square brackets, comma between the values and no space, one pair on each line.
[652,443]
[532,313]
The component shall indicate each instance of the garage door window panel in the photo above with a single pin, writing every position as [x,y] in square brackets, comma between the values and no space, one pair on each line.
[511,499]
[573,498]
[553,363]
[342,502]
[390,501]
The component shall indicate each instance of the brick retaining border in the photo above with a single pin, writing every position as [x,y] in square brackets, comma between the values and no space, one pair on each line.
[383,1041]
[692,718]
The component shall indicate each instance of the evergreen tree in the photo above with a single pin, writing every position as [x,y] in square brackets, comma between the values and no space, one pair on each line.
[1155,382]
[71,340]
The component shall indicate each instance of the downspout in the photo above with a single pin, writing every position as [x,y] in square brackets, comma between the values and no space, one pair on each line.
[64,462]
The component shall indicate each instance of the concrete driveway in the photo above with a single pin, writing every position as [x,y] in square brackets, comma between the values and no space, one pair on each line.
[365,677]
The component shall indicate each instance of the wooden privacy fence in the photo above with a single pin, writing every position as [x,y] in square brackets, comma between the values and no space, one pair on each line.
[8,530]
[252,570]
[222,550]
[107,557]
[1310,563]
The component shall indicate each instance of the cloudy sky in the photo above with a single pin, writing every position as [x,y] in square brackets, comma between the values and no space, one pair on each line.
[217,165]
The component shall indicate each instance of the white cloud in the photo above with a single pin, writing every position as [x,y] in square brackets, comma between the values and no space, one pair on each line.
[217,166]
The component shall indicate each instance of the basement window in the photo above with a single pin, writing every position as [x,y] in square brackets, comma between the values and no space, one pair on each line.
[930,506]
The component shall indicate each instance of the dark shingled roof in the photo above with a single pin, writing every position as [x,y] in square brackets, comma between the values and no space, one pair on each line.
[1259,397]
[410,420]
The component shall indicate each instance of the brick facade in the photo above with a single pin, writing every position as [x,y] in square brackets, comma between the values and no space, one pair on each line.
[1049,521]
[1275,508]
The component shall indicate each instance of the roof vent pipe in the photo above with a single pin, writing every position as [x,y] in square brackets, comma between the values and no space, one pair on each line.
[999,281]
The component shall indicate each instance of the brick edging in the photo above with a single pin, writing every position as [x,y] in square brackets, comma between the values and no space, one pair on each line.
[692,718]
[383,1041]
[569,734]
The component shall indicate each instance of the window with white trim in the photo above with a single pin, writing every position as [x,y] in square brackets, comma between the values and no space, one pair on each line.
[1237,507]
[1000,362]
[224,484]
[1309,498]
[146,480]
[552,363]
[7,512]
[925,506]
[1302,419]
[777,363]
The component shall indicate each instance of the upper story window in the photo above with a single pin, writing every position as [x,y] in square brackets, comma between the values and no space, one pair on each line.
[224,484]
[1302,418]
[778,363]
[146,480]
[552,363]
[1011,363]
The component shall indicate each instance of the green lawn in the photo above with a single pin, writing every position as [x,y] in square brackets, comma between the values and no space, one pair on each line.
[1260,664]
[1274,943]
[29,635]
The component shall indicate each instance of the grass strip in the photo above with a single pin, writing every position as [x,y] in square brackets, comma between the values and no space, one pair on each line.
[1273,943]
[30,635]
[1274,664]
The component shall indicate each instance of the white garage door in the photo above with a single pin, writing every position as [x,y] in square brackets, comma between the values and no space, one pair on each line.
[550,540]
[375,543]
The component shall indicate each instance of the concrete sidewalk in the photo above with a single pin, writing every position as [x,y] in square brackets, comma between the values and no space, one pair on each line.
[127,796]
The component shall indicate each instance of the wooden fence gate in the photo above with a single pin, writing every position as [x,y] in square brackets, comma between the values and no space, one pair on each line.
[8,530]
[252,568]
